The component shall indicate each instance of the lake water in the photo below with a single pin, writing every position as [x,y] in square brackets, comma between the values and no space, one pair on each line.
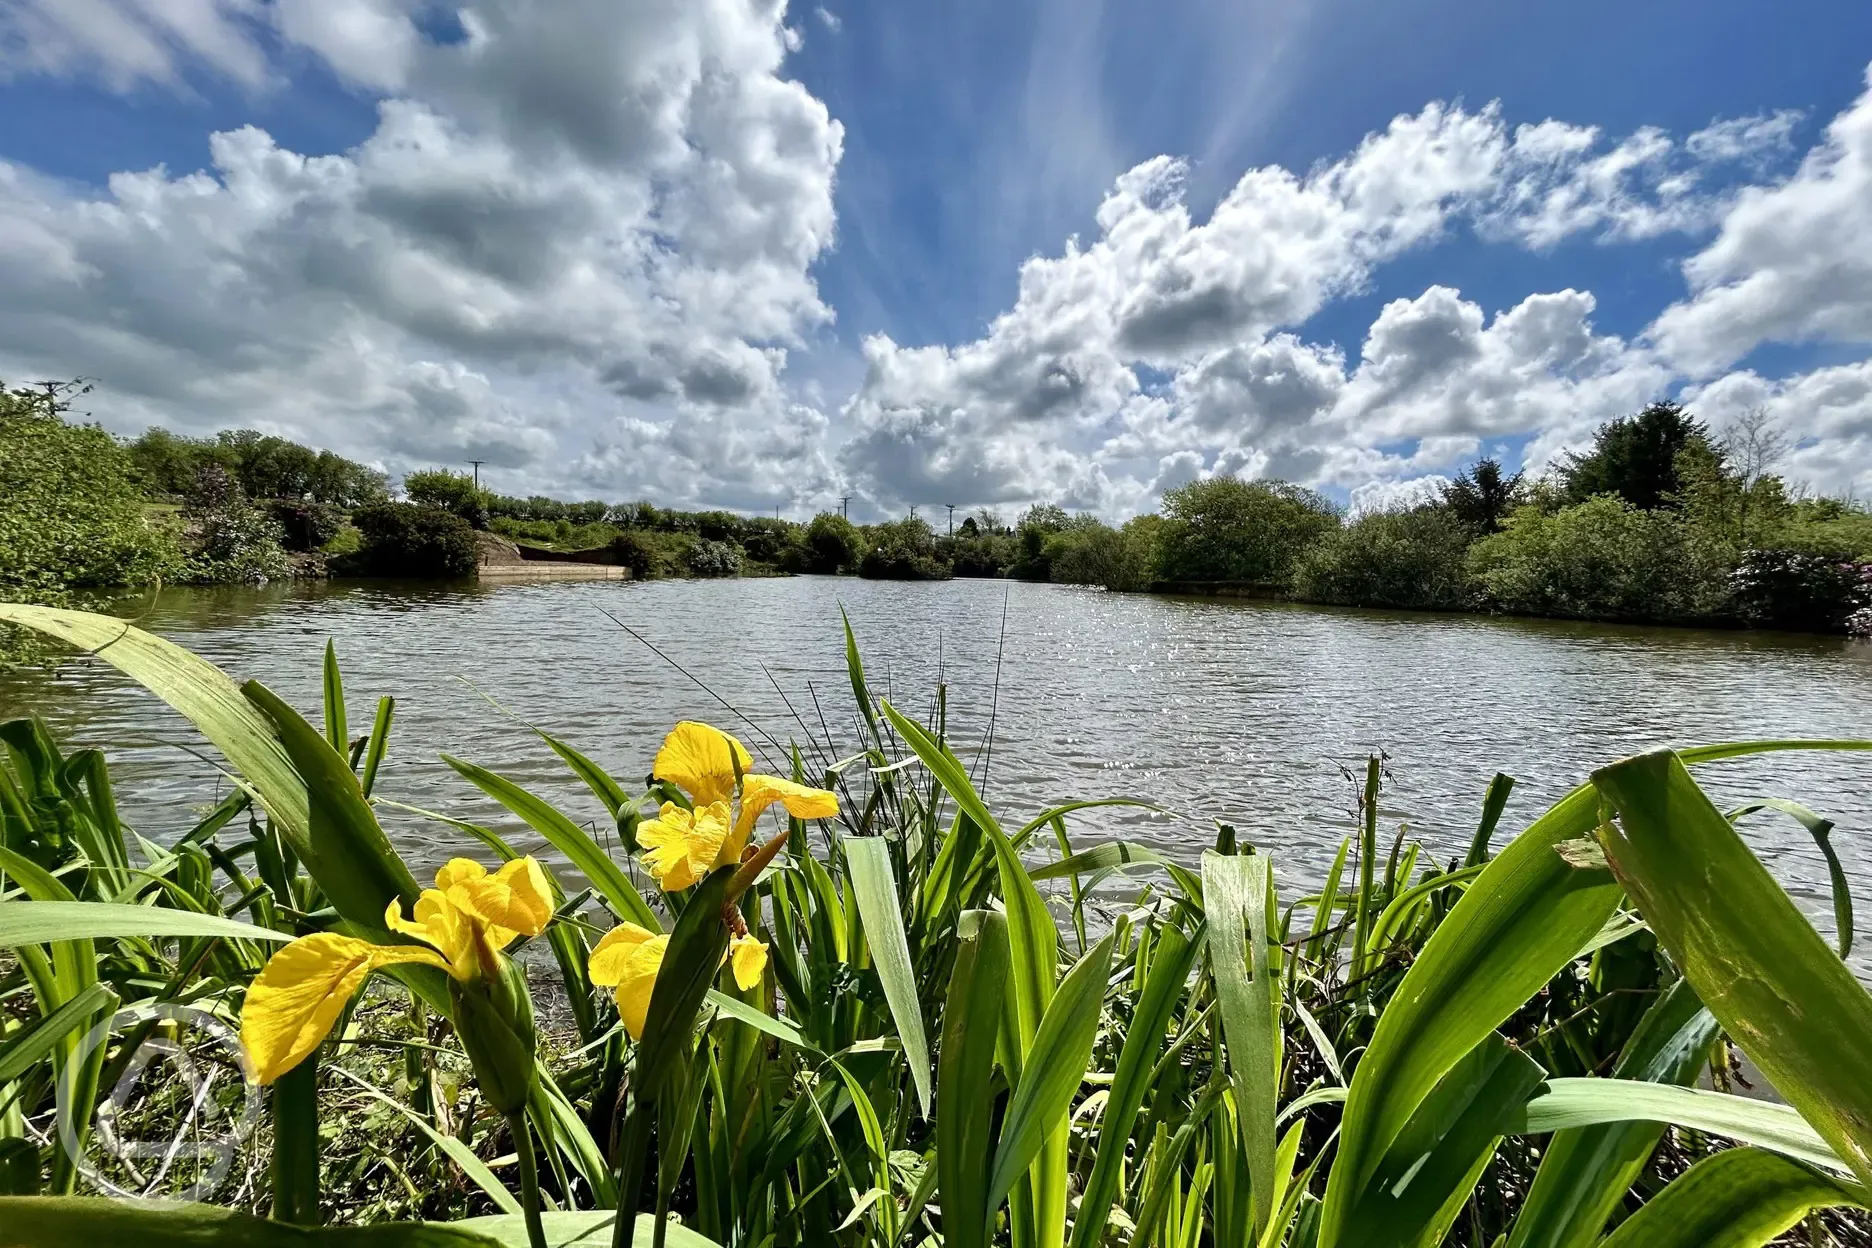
[1246,712]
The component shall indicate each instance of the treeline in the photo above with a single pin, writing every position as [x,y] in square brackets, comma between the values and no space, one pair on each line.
[1659,522]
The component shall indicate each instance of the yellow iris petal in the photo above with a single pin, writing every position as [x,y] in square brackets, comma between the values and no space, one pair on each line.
[701,760]
[459,871]
[437,921]
[749,957]
[760,792]
[680,845]
[628,959]
[292,1004]
[516,899]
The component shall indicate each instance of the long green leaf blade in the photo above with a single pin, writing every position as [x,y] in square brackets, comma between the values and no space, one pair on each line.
[1737,1199]
[1756,961]
[868,859]
[965,1074]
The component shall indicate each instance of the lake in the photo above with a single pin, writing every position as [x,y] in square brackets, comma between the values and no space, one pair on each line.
[1242,711]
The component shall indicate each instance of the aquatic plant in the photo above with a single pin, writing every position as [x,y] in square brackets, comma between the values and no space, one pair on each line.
[945,1035]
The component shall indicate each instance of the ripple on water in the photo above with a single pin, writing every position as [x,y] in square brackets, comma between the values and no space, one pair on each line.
[1246,712]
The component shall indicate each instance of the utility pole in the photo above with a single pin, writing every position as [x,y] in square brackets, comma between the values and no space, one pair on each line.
[477,467]
[776,511]
[951,507]
[913,511]
[845,505]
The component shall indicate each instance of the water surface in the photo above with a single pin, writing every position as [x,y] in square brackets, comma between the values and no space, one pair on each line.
[1247,712]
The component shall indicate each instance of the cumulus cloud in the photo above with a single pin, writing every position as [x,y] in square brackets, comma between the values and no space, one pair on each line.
[1792,261]
[556,226]
[579,243]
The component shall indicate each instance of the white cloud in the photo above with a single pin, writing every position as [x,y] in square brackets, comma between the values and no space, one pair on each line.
[557,224]
[127,42]
[827,18]
[1792,261]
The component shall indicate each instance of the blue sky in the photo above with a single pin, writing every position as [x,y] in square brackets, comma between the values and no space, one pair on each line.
[721,252]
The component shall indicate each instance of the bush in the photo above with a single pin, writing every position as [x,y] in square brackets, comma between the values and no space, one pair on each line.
[1601,560]
[1413,559]
[709,558]
[1032,531]
[306,526]
[1799,590]
[974,552]
[453,492]
[651,555]
[1092,553]
[903,550]
[71,517]
[236,543]
[408,539]
[832,544]
[1227,529]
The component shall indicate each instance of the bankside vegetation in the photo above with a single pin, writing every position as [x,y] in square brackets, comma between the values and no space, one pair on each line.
[821,991]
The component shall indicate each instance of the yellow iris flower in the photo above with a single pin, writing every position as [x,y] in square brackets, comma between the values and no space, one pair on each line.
[682,846]
[464,921]
[629,957]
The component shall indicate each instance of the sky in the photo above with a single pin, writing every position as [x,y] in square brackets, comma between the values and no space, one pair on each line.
[734,253]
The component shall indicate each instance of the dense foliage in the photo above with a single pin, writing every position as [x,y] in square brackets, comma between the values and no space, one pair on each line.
[411,540]
[264,466]
[1227,529]
[454,492]
[883,1016]
[235,542]
[1409,559]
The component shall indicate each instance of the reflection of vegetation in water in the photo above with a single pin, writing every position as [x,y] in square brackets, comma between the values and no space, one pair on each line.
[962,1034]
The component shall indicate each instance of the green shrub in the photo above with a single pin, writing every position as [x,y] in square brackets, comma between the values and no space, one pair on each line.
[1227,529]
[407,539]
[71,517]
[306,526]
[711,558]
[1088,552]
[1036,526]
[651,555]
[1413,559]
[235,542]
[974,552]
[1601,560]
[833,544]
[453,492]
[1794,589]
[903,550]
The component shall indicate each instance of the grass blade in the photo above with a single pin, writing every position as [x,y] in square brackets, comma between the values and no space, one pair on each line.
[965,1075]
[868,861]
[1235,887]
[43,922]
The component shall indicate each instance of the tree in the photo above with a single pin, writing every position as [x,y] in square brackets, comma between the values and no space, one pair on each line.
[832,544]
[1752,446]
[1481,498]
[1227,529]
[453,492]
[1635,457]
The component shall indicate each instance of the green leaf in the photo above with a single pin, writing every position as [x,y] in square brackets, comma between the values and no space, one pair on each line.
[1756,961]
[1053,1070]
[1234,887]
[868,861]
[196,688]
[1426,1174]
[345,848]
[1493,804]
[587,1229]
[1741,1198]
[760,1020]
[1573,1103]
[1163,989]
[337,729]
[34,1042]
[85,1222]
[596,778]
[43,922]
[1822,832]
[569,839]
[965,1076]
[1587,1170]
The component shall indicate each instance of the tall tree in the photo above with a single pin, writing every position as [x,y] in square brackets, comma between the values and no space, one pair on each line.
[1635,457]
[1481,498]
